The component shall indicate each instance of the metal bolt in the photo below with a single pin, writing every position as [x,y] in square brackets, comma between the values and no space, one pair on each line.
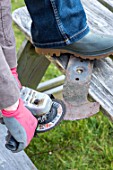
[79,70]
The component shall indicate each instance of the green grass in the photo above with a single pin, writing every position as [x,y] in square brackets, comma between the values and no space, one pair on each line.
[79,145]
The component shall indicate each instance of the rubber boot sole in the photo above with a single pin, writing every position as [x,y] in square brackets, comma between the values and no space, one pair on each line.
[58,52]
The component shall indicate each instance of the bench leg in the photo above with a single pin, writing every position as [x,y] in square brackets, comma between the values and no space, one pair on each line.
[31,66]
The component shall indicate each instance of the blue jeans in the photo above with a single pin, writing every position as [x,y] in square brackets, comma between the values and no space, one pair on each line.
[56,23]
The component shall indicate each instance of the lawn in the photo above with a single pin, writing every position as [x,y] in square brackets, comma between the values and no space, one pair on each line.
[79,145]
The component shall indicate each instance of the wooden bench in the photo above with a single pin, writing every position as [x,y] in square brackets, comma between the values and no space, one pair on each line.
[100,19]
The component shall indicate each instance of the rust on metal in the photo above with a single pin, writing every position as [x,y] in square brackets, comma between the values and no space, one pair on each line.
[75,91]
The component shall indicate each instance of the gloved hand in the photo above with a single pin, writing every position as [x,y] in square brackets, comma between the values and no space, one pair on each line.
[21,125]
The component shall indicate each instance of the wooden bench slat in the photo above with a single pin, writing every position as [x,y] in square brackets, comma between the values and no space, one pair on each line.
[22,19]
[101,88]
[12,161]
[100,18]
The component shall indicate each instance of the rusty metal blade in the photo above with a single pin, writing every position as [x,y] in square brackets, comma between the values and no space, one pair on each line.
[75,91]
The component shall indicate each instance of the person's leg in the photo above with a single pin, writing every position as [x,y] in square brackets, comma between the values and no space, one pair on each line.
[61,27]
[56,23]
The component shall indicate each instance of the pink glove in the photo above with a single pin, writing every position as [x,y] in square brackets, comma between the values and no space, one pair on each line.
[21,125]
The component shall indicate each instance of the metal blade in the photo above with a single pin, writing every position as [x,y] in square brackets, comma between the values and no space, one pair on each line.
[75,91]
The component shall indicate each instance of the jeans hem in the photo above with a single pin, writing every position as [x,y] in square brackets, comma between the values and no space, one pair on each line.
[70,40]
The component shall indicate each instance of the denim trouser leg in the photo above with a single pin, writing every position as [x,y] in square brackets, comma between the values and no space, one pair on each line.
[9,91]
[56,23]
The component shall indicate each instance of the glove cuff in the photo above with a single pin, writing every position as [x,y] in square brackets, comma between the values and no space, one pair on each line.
[12,113]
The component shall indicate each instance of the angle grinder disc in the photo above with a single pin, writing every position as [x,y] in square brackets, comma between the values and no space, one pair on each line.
[52,118]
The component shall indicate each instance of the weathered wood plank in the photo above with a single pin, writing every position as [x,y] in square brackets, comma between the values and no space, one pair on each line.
[12,161]
[100,19]
[101,88]
[22,19]
[31,66]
